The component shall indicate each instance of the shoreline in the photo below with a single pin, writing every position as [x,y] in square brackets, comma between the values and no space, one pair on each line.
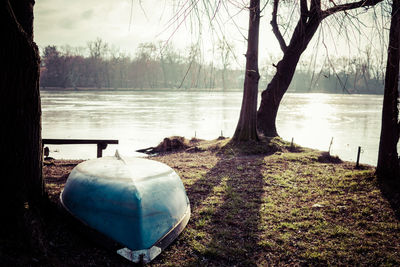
[94,89]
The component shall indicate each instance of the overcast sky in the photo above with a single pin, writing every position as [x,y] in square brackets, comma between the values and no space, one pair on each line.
[125,24]
[76,22]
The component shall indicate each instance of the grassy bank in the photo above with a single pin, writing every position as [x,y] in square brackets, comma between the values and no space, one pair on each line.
[268,205]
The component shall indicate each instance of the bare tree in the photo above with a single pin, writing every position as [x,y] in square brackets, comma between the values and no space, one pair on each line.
[388,161]
[311,16]
[246,128]
[99,68]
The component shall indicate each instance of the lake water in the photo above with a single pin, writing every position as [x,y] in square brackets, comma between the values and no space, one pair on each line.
[140,119]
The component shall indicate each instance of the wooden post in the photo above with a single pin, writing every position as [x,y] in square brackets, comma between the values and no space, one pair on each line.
[358,157]
[100,147]
[330,145]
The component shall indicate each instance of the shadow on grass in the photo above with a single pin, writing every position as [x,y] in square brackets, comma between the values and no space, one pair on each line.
[391,191]
[226,206]
[236,220]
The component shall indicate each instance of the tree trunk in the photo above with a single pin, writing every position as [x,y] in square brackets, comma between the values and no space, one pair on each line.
[21,186]
[223,78]
[272,96]
[388,162]
[246,129]
[164,71]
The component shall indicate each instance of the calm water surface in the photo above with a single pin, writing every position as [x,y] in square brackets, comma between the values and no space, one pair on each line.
[140,119]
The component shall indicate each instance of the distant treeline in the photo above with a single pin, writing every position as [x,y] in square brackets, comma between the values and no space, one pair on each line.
[153,66]
[341,75]
[157,66]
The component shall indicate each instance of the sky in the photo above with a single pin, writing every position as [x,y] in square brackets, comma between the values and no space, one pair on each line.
[125,24]
[77,22]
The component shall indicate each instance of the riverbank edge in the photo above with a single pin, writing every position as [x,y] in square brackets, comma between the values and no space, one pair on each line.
[93,89]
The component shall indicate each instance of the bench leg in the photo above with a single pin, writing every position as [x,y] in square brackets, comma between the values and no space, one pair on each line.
[100,148]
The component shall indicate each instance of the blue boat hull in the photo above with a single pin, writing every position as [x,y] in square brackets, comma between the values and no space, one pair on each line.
[140,203]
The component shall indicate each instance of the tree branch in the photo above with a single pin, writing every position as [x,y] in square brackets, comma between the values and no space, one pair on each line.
[315,12]
[348,6]
[275,28]
[303,10]
[315,6]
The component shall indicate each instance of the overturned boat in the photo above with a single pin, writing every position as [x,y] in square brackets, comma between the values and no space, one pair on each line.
[139,203]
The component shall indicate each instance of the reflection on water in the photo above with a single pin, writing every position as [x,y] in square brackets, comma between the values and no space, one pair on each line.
[143,118]
[351,120]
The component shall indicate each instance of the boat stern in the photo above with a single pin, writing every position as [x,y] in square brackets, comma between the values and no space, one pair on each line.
[147,255]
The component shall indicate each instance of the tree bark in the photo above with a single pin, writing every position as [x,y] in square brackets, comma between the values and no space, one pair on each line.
[21,183]
[246,129]
[388,161]
[272,96]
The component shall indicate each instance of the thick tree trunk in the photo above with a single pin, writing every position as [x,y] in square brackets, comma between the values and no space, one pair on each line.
[246,129]
[285,69]
[272,96]
[21,184]
[388,162]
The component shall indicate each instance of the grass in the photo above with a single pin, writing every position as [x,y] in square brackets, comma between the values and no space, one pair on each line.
[271,204]
[280,207]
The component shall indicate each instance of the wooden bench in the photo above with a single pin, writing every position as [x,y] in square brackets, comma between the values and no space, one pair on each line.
[101,144]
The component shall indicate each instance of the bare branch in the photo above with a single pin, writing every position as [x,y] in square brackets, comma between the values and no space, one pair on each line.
[275,28]
[303,10]
[315,6]
[349,6]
